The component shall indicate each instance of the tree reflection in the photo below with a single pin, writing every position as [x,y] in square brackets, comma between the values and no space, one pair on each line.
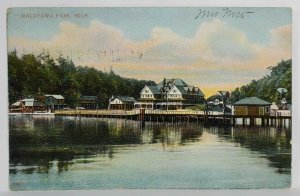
[41,142]
[273,143]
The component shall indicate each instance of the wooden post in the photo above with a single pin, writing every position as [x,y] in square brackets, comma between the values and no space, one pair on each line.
[262,121]
[251,121]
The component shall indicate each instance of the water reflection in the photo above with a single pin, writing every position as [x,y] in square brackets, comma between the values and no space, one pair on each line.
[38,144]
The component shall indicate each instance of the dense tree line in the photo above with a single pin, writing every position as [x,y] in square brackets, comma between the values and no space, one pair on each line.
[266,88]
[31,74]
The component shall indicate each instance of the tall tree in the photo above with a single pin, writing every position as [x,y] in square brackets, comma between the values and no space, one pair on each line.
[266,88]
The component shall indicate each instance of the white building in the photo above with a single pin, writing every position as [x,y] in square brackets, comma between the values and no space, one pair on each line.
[169,94]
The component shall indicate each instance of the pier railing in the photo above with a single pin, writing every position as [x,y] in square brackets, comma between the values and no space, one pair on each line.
[92,112]
[175,112]
[130,112]
[157,112]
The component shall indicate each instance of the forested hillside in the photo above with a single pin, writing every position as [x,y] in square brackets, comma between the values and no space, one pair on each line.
[266,88]
[30,74]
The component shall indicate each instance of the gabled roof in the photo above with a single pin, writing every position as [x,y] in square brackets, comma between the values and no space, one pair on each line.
[224,93]
[125,98]
[214,97]
[215,108]
[252,101]
[16,103]
[154,89]
[174,81]
[219,108]
[284,106]
[38,103]
[27,100]
[55,96]
[32,102]
[181,89]
[200,93]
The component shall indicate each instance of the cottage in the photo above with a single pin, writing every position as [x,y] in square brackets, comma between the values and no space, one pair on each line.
[252,106]
[16,107]
[218,103]
[121,103]
[221,97]
[169,94]
[54,102]
[284,109]
[88,102]
[28,105]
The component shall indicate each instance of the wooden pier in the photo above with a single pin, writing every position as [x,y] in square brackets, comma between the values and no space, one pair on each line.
[180,116]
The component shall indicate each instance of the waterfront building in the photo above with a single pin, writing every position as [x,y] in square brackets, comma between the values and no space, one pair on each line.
[221,97]
[273,109]
[88,102]
[121,103]
[170,94]
[54,102]
[284,108]
[219,103]
[217,109]
[252,106]
[28,105]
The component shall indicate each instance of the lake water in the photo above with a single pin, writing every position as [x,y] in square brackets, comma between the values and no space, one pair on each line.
[90,153]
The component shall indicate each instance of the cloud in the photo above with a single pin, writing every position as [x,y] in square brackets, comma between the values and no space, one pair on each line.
[281,37]
[218,54]
[223,41]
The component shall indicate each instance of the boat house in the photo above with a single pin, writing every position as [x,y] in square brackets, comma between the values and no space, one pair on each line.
[252,106]
[121,103]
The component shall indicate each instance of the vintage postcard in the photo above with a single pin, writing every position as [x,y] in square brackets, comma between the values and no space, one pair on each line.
[149,98]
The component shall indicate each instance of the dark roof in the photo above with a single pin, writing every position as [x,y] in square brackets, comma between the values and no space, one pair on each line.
[181,89]
[90,98]
[175,81]
[55,96]
[214,97]
[224,93]
[154,89]
[285,106]
[200,92]
[219,108]
[252,101]
[125,98]
[38,104]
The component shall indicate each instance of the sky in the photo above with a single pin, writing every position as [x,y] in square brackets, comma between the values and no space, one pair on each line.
[211,48]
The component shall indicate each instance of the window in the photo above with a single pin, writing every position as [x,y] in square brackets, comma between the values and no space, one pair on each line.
[267,109]
[217,101]
[146,91]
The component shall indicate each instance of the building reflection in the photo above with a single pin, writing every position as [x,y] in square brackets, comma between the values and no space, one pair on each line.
[271,142]
[39,144]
